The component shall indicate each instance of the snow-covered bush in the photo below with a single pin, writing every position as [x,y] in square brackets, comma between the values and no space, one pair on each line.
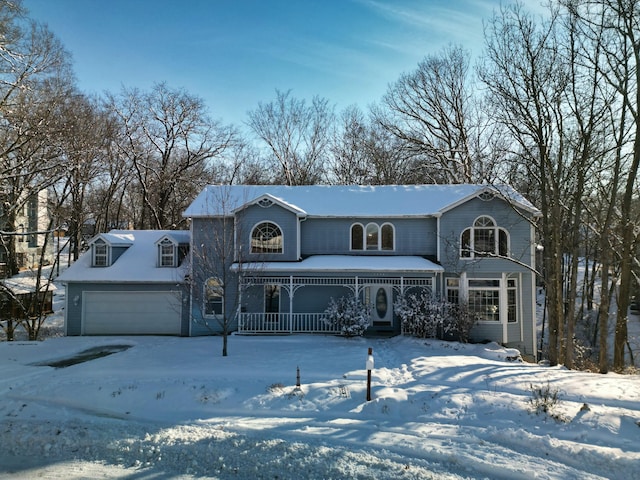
[349,315]
[426,316]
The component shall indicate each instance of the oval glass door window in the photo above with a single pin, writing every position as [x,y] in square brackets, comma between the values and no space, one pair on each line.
[381,303]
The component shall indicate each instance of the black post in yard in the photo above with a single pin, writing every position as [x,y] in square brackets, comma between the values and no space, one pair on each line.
[369,368]
[298,378]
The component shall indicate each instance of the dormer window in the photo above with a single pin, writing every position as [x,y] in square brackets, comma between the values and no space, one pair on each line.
[100,254]
[167,253]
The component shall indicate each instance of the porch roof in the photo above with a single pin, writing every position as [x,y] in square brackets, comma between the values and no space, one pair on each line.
[345,263]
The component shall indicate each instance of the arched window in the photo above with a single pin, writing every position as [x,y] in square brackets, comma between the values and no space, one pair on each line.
[387,236]
[266,237]
[357,237]
[483,239]
[372,236]
[213,297]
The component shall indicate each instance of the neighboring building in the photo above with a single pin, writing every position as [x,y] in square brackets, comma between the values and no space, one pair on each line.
[289,250]
[17,299]
[32,221]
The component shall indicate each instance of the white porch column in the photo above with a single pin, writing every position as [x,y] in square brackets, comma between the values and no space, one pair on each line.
[504,308]
[290,303]
[239,307]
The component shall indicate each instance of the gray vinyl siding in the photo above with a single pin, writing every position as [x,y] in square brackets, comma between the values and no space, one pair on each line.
[285,219]
[211,256]
[455,221]
[74,299]
[312,299]
[452,224]
[307,299]
[116,252]
[332,236]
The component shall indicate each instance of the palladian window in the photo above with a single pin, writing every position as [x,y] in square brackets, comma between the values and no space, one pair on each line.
[484,239]
[372,236]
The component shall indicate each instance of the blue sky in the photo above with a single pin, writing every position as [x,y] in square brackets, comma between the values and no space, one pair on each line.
[236,53]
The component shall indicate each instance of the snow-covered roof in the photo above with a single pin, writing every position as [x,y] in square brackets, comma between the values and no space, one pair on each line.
[25,282]
[178,237]
[348,263]
[348,200]
[115,238]
[139,262]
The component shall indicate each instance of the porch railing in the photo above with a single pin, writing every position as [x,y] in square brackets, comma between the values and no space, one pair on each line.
[284,323]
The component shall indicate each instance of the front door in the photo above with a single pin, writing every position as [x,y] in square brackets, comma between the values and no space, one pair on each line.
[380,299]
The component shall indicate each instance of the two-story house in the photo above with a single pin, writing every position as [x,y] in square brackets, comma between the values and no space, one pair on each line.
[28,225]
[270,258]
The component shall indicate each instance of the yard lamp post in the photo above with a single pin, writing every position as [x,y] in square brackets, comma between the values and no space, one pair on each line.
[369,367]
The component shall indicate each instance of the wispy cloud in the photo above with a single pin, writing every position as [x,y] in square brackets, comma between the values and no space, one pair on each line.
[432,13]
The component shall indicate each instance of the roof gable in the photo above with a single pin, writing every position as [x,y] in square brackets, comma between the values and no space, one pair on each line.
[115,238]
[267,200]
[177,237]
[488,192]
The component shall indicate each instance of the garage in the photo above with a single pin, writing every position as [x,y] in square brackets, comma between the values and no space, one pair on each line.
[131,313]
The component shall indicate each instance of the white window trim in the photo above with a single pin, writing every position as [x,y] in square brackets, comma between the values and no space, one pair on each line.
[472,254]
[393,239]
[204,300]
[364,237]
[351,237]
[161,255]
[253,229]
[106,255]
[503,298]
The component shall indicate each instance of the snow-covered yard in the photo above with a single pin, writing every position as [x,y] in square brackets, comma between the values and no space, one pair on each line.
[175,408]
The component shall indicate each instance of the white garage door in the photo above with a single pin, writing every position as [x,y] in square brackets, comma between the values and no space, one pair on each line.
[131,313]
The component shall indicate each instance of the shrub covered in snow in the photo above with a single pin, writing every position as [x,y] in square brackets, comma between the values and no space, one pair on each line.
[349,315]
[426,316]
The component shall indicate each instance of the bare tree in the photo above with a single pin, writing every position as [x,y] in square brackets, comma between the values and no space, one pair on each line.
[349,158]
[35,78]
[217,242]
[365,153]
[432,110]
[86,133]
[243,165]
[169,141]
[526,76]
[297,136]
[622,19]
[614,26]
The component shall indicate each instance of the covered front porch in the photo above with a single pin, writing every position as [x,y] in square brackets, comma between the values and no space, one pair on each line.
[276,303]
